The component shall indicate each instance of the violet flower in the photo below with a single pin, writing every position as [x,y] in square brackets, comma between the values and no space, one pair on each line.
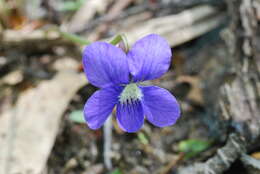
[118,74]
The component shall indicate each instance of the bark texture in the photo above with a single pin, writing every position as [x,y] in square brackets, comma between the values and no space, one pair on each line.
[239,102]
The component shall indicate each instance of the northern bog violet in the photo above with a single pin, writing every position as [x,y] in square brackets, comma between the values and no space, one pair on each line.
[118,74]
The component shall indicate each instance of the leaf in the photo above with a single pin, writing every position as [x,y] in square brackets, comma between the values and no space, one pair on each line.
[71,5]
[256,155]
[193,147]
[77,116]
[142,138]
[116,171]
[47,102]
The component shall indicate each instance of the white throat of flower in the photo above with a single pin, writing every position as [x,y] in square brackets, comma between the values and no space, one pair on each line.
[130,94]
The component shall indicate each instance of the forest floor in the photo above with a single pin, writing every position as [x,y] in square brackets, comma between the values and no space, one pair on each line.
[43,88]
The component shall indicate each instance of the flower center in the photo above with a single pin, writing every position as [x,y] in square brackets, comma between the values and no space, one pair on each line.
[130,93]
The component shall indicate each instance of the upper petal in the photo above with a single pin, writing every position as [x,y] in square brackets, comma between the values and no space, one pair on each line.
[160,106]
[130,117]
[100,105]
[149,58]
[105,65]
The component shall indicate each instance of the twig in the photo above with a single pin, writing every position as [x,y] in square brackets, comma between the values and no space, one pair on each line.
[223,159]
[111,15]
[251,164]
[85,14]
[159,7]
[40,39]
[53,15]
[172,164]
[179,28]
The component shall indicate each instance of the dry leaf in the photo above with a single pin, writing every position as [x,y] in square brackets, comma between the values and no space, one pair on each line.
[28,130]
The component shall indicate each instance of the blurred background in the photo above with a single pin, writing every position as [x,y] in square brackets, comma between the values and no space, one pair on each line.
[214,74]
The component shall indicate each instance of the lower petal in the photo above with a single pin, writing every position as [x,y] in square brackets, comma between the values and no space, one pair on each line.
[100,105]
[160,106]
[130,117]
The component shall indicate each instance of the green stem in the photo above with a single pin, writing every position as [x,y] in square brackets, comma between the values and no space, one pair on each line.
[116,40]
[119,38]
[79,40]
[74,38]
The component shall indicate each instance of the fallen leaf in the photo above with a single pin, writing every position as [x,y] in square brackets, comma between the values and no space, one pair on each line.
[195,94]
[13,77]
[256,155]
[192,147]
[28,130]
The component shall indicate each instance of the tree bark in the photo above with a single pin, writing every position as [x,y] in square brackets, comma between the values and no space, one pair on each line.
[239,102]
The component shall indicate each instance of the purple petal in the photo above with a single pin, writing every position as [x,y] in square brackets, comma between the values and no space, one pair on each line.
[105,65]
[100,105]
[160,106]
[149,58]
[130,117]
